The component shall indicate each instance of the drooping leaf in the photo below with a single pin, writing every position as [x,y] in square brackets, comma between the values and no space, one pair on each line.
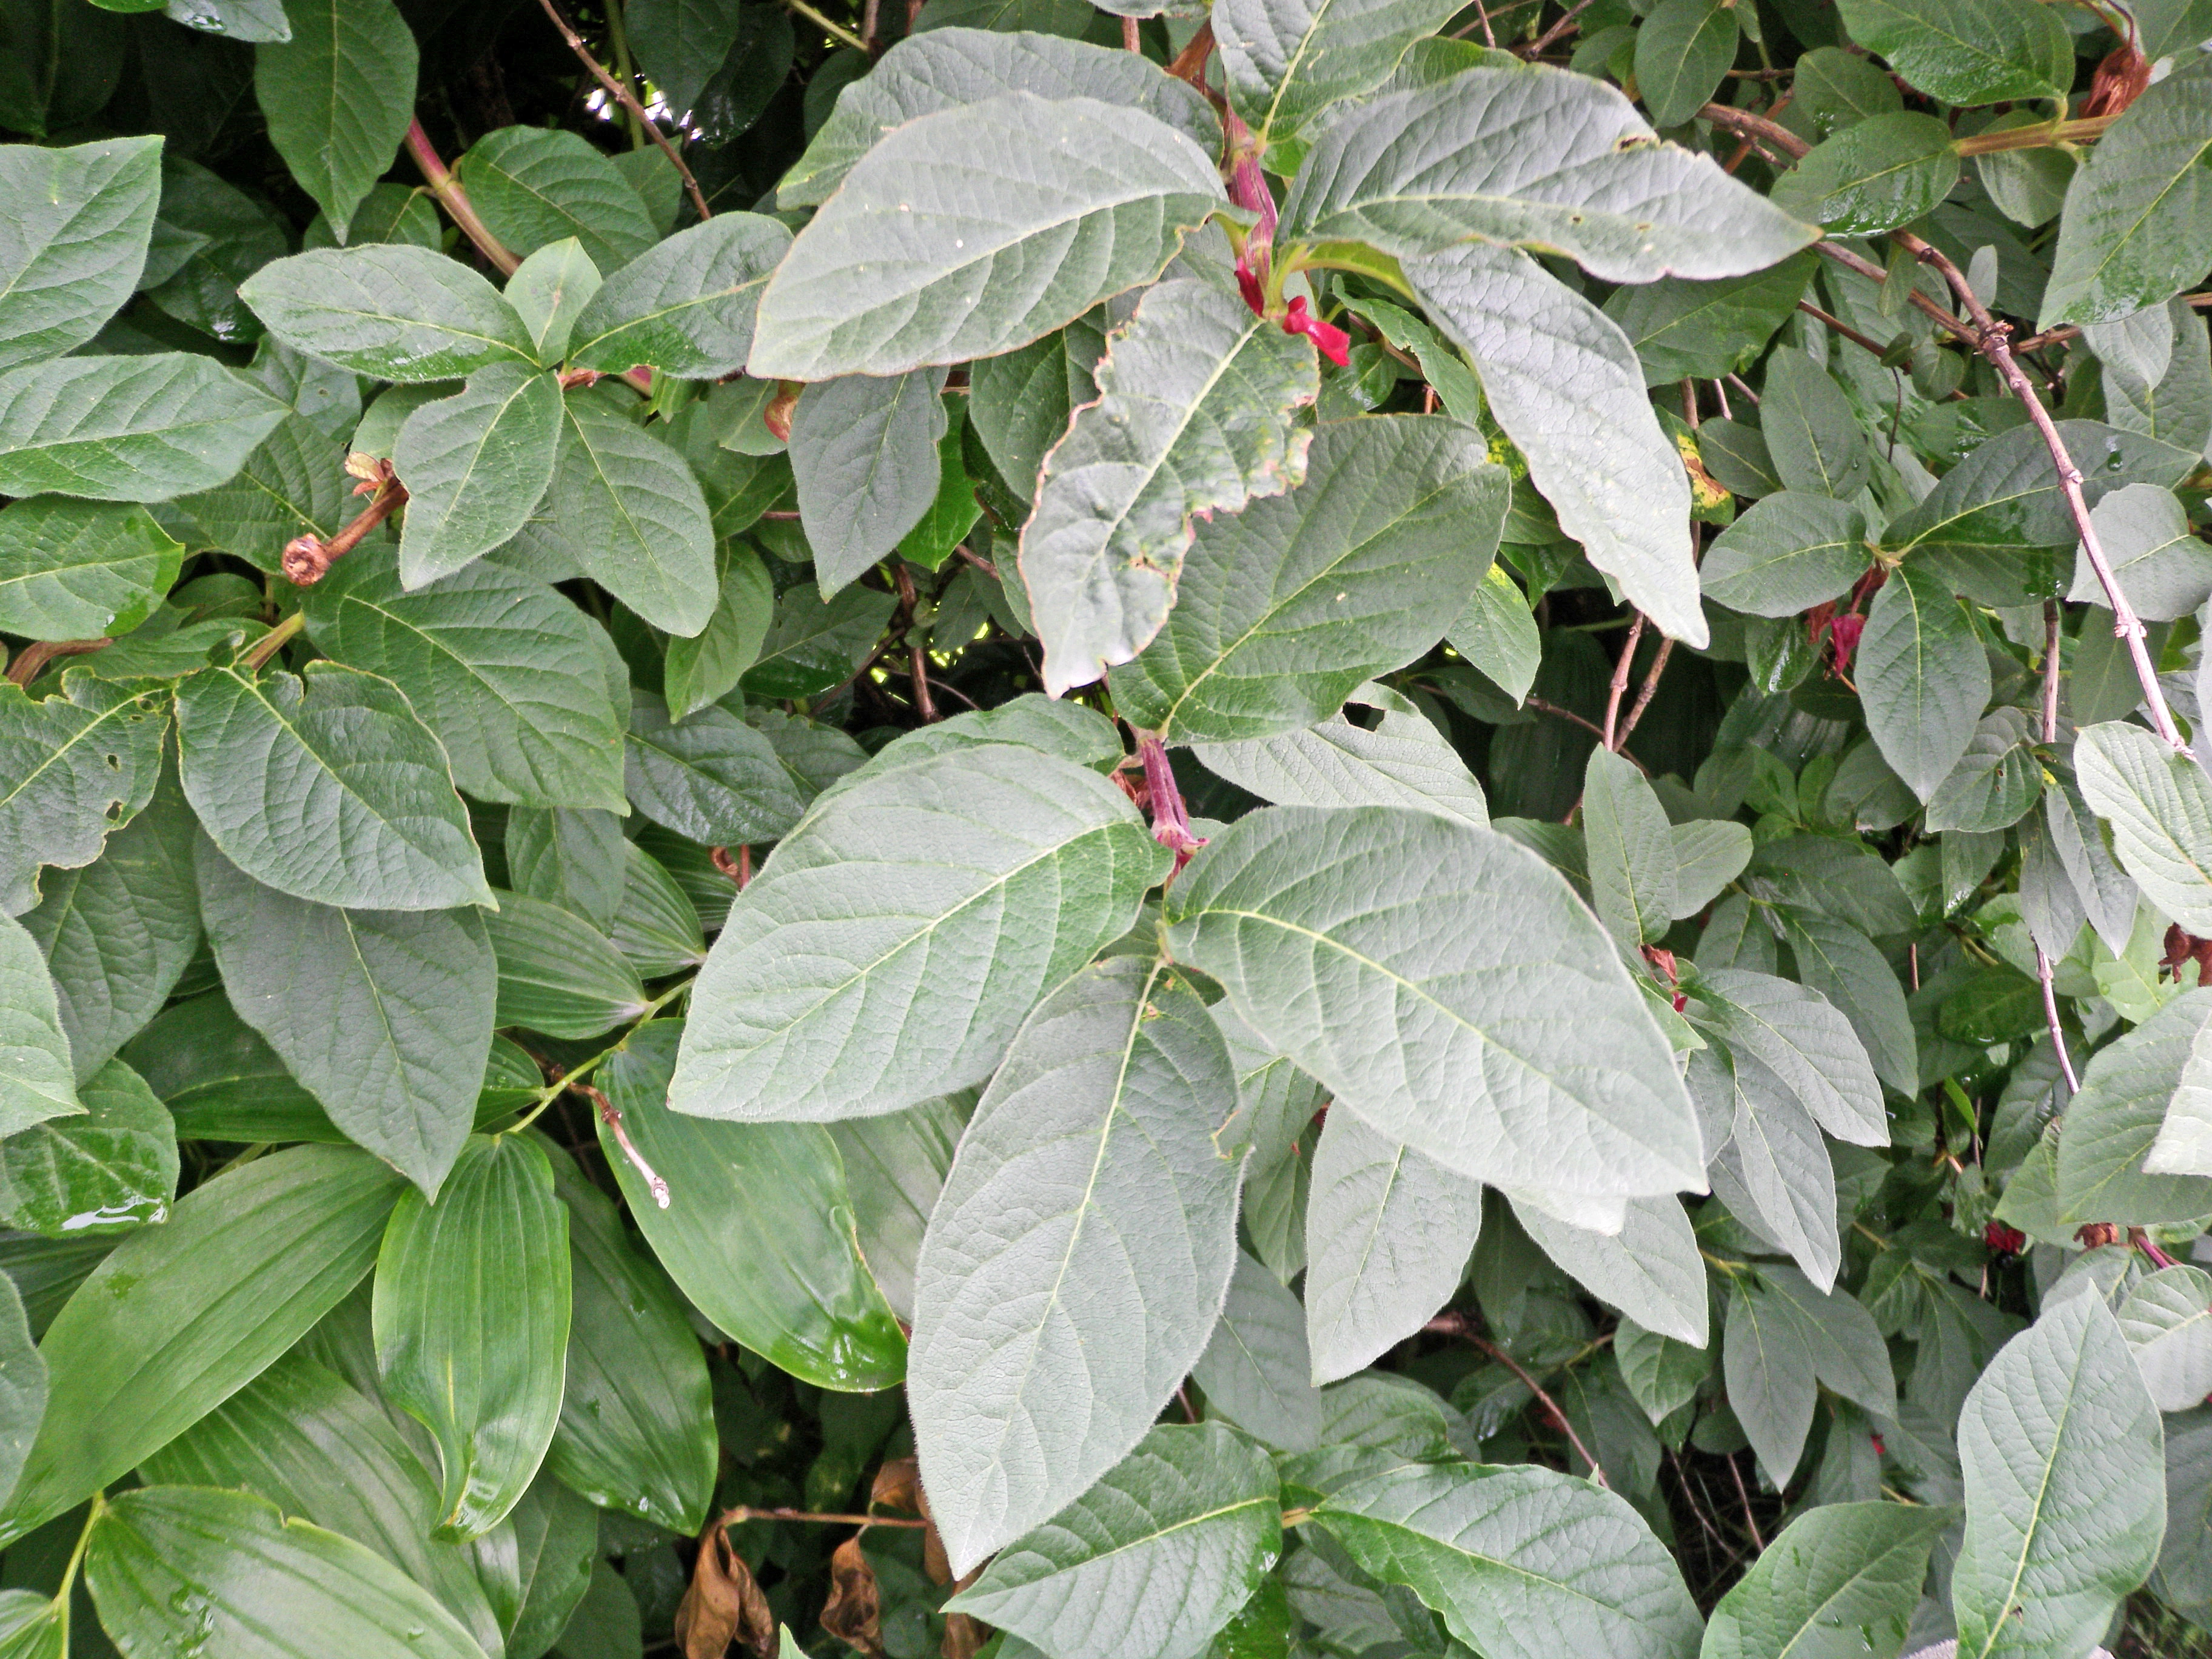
[1925,676]
[1087,200]
[110,1169]
[1772,1386]
[1257,1370]
[127,428]
[1407,1025]
[472,1319]
[1498,636]
[1810,430]
[685,307]
[37,1078]
[628,509]
[1288,61]
[842,931]
[398,313]
[476,465]
[1805,1041]
[326,786]
[758,1231]
[1019,403]
[1651,1270]
[1150,1562]
[77,220]
[338,96]
[75,570]
[864,456]
[534,186]
[1836,960]
[2167,1320]
[1070,1275]
[707,667]
[1193,417]
[2159,808]
[1840,1581]
[1282,610]
[73,766]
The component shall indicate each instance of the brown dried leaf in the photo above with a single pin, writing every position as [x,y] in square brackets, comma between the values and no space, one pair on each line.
[897,1487]
[853,1613]
[724,1605]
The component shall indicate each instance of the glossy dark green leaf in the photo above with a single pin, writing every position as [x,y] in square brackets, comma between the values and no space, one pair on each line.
[557,973]
[1883,172]
[337,96]
[1682,327]
[1967,51]
[895,1167]
[111,1169]
[1682,51]
[537,1565]
[1795,550]
[398,313]
[706,667]
[23,1379]
[75,570]
[656,927]
[471,1319]
[220,1081]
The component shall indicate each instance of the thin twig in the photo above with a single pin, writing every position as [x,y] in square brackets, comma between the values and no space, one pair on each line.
[1682,1480]
[34,657]
[1644,693]
[451,197]
[1452,1324]
[1738,382]
[835,31]
[1749,1519]
[979,561]
[1755,126]
[611,1115]
[628,99]
[1620,671]
[1720,396]
[1558,31]
[2042,969]
[743,1513]
[1132,37]
[1842,327]
[2056,335]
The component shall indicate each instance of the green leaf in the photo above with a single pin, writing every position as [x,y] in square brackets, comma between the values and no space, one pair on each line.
[573,857]
[864,456]
[557,973]
[1709,854]
[73,766]
[173,1567]
[119,932]
[385,1015]
[472,1319]
[337,96]
[758,1231]
[294,484]
[111,1169]
[707,667]
[220,1081]
[1630,849]
[628,509]
[2136,227]
[75,570]
[37,1079]
[657,928]
[1019,404]
[686,305]
[2064,1482]
[1707,330]
[1086,200]
[533,186]
[303,1437]
[709,776]
[1682,50]
[1844,878]
[476,465]
[1848,1353]
[369,818]
[2161,566]
[127,428]
[813,645]
[549,291]
[1839,962]
[1967,51]
[536,1566]
[1287,61]
[946,68]
[1837,1579]
[1498,634]
[1388,1233]
[1771,1383]
[1607,194]
[2160,807]
[77,221]
[1793,551]
[1282,610]
[1522,1562]
[1924,676]
[1808,1044]
[397,312]
[1077,1253]
[1565,384]
[1883,172]
[1191,1513]
[2167,1320]
[895,1166]
[22,1404]
[1411,1026]
[503,670]
[1810,429]
[1663,1375]
[179,1317]
[2115,1120]
[1403,762]
[637,1424]
[1651,1269]
[842,927]
[682,43]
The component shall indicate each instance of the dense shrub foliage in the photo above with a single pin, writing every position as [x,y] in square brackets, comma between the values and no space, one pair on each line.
[1348,827]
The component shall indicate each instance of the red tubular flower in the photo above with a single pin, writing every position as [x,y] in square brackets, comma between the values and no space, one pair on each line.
[1844,631]
[2005,1240]
[1332,342]
[1248,285]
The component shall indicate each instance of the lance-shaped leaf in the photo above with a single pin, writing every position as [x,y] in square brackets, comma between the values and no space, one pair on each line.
[22,1399]
[628,509]
[1288,60]
[637,1422]
[338,95]
[1839,1579]
[1387,1235]
[75,570]
[110,1169]
[1509,1045]
[1564,382]
[303,1438]
[1967,51]
[1402,762]
[985,854]
[1651,1270]
[1196,397]
[72,766]
[1086,199]
[2160,807]
[1522,1562]
[1630,848]
[2116,1119]
[2065,1488]
[326,787]
[395,311]
[1925,675]
[2134,229]
[709,776]
[758,1230]
[864,456]
[1149,1563]
[172,1567]
[557,973]
[2184,1146]
[385,1015]
[686,305]
[476,466]
[1077,1256]
[1421,171]
[472,1321]
[182,1315]
[1282,610]
[119,932]
[945,68]
[1794,549]
[1773,1165]
[1772,1381]
[536,1566]
[74,224]
[503,670]
[1840,962]
[1804,1041]
[37,1080]
[128,429]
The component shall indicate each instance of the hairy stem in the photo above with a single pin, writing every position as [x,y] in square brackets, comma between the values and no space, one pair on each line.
[455,200]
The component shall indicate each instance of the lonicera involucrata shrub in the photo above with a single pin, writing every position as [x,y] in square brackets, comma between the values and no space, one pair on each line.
[1342,826]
